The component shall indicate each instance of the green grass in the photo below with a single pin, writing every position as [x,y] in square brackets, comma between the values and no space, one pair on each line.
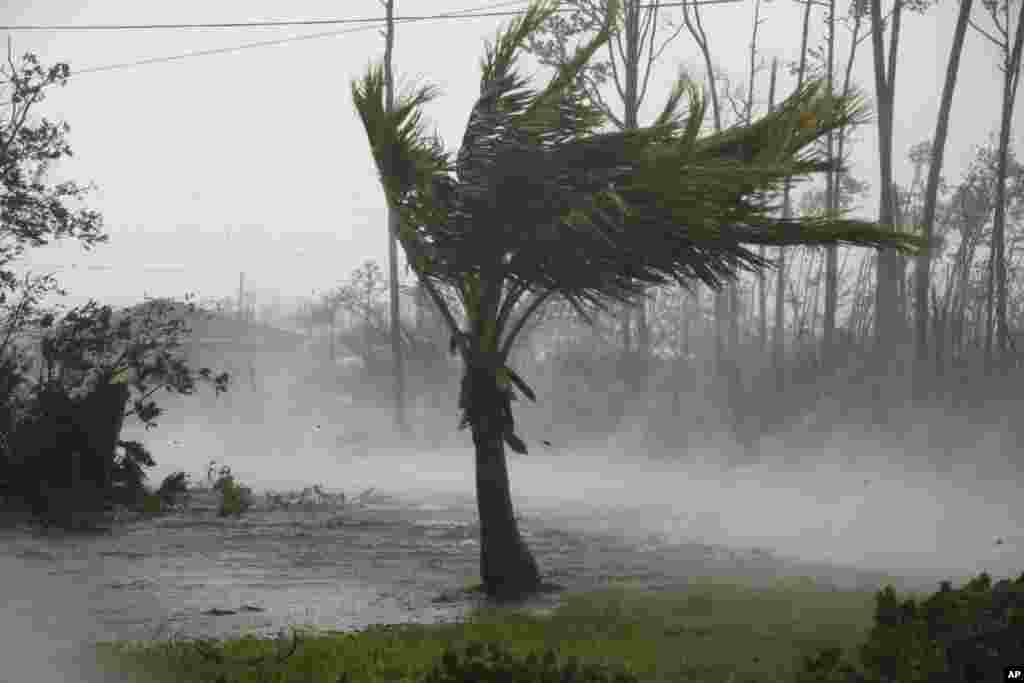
[711,631]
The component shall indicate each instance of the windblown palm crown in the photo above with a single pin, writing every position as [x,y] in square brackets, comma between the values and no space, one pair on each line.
[538,202]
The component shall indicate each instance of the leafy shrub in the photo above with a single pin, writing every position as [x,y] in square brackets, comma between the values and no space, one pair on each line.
[152,504]
[234,499]
[494,664]
[64,385]
[961,635]
[827,667]
[62,432]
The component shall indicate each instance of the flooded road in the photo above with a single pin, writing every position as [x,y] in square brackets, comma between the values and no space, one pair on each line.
[388,562]
[404,555]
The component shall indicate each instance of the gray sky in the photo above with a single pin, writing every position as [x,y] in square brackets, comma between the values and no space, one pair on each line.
[255,160]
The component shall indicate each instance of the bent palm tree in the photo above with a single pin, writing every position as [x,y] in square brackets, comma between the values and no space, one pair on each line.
[538,204]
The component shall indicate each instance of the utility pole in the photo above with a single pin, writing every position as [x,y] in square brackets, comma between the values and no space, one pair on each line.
[396,341]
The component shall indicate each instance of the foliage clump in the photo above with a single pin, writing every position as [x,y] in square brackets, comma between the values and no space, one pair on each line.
[959,635]
[235,498]
[492,663]
[62,453]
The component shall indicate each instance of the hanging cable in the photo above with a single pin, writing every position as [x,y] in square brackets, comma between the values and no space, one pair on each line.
[266,43]
[322,22]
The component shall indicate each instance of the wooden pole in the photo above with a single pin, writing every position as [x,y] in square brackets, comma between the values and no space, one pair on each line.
[396,341]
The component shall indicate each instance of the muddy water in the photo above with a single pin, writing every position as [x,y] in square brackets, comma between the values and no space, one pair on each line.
[388,561]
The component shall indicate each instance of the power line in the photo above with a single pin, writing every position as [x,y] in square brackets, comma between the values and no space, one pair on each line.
[458,14]
[321,22]
[263,43]
[214,51]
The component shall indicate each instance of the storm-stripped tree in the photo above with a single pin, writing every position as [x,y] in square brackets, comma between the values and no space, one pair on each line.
[538,205]
[1010,54]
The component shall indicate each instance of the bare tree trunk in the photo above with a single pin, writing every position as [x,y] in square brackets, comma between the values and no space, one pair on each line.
[923,271]
[735,312]
[887,285]
[333,311]
[831,205]
[691,306]
[779,334]
[692,20]
[631,107]
[762,285]
[721,314]
[1011,75]
[401,423]
[627,329]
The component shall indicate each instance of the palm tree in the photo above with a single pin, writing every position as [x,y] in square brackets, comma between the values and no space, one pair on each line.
[539,205]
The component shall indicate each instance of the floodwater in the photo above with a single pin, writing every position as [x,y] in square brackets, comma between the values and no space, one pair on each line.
[404,555]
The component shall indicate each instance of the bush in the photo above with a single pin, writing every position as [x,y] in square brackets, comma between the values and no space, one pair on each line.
[152,505]
[61,432]
[235,499]
[494,664]
[961,635]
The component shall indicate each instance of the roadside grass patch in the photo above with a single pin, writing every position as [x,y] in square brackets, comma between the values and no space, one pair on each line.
[709,630]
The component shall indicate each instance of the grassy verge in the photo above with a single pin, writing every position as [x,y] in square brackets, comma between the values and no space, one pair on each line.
[711,631]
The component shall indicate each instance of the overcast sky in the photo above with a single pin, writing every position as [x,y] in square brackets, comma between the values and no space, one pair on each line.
[255,160]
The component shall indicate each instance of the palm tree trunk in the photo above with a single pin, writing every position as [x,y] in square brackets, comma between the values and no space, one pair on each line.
[507,568]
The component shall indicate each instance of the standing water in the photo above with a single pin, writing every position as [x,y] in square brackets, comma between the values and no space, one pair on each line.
[404,553]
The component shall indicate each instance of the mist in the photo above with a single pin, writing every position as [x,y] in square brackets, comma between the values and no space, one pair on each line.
[858,499]
[862,499]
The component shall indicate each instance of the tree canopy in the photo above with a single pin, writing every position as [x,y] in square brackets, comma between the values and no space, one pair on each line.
[597,215]
[541,201]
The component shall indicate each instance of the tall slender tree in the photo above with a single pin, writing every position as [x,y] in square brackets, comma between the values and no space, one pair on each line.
[887,279]
[842,180]
[695,26]
[538,205]
[890,321]
[999,11]
[831,189]
[922,275]
[779,331]
[762,284]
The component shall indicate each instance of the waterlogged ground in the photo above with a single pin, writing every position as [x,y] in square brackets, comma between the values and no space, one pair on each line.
[388,561]
[404,555]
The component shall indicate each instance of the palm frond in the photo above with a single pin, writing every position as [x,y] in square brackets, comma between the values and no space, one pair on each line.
[537,200]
